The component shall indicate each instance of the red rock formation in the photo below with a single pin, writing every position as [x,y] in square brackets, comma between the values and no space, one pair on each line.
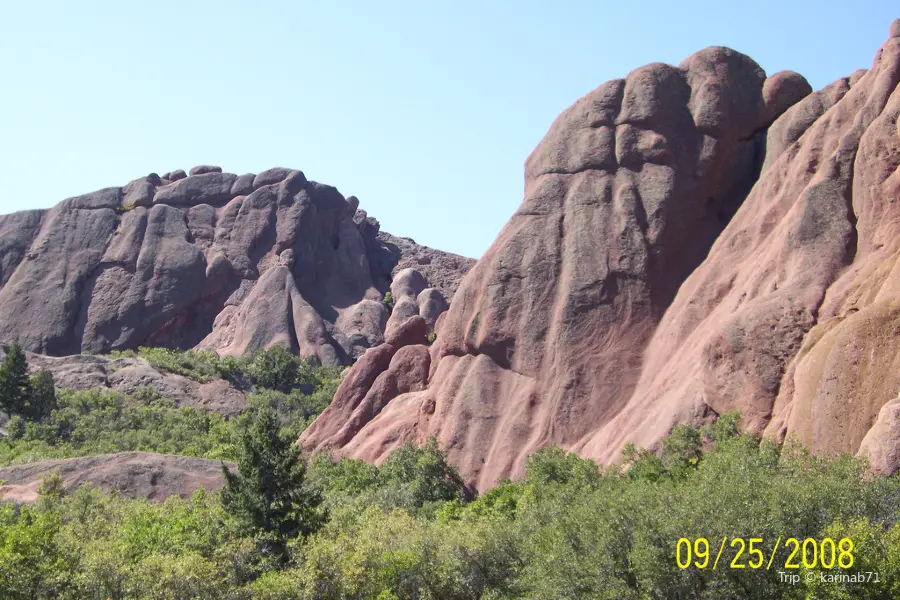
[639,285]
[211,260]
[398,366]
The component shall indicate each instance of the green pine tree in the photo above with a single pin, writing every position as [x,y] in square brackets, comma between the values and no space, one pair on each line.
[41,396]
[15,387]
[267,493]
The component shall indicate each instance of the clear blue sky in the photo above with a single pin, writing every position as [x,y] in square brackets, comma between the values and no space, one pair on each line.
[424,110]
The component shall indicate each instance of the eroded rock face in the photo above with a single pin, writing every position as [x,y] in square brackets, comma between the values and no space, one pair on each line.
[142,475]
[206,259]
[399,366]
[642,283]
[432,305]
[391,254]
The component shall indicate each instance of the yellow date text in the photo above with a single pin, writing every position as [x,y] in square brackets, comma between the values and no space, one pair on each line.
[755,553]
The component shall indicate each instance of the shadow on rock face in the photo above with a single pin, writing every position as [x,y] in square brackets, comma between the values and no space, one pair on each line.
[206,259]
[546,337]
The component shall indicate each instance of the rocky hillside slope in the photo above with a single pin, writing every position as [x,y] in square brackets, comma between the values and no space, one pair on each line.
[208,260]
[133,474]
[129,375]
[693,240]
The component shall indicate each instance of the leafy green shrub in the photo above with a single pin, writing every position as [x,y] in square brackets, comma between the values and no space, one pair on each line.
[32,557]
[41,396]
[876,550]
[99,421]
[188,575]
[554,465]
[388,301]
[274,368]
[628,525]
[416,477]
[641,464]
[681,451]
[296,408]
[199,365]
[344,482]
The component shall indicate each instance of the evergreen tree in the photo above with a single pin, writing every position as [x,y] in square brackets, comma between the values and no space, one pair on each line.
[42,396]
[15,387]
[267,494]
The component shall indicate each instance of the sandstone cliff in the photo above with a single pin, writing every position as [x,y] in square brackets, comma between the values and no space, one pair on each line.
[693,239]
[209,260]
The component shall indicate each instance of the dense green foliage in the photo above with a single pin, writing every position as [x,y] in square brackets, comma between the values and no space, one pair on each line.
[14,388]
[407,530]
[283,528]
[42,396]
[199,365]
[418,480]
[273,368]
[99,421]
[266,495]
[29,397]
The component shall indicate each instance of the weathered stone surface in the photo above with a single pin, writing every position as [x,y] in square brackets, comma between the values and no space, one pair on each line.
[412,331]
[106,198]
[796,120]
[202,169]
[783,90]
[243,185]
[413,297]
[200,188]
[881,445]
[404,308]
[431,305]
[409,368]
[408,283]
[139,192]
[270,176]
[642,283]
[17,232]
[362,326]
[276,313]
[389,255]
[142,475]
[328,432]
[407,372]
[41,302]
[210,260]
